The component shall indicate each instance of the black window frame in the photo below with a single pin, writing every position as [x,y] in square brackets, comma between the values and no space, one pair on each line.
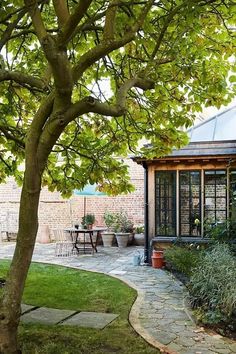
[215,197]
[159,209]
[192,226]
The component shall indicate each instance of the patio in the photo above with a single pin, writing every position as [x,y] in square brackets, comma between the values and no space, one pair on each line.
[159,314]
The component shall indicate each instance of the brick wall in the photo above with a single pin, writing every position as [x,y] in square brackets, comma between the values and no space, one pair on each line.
[55,211]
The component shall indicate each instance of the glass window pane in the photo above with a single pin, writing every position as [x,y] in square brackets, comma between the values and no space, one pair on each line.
[215,202]
[195,177]
[210,190]
[210,216]
[185,229]
[165,203]
[220,190]
[189,203]
[195,191]
[221,203]
[232,194]
[209,177]
[210,203]
[220,215]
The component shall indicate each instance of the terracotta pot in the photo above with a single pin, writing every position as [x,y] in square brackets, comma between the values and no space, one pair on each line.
[157,253]
[157,262]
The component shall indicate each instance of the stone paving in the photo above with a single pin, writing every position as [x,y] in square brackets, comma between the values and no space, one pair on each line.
[159,313]
[50,316]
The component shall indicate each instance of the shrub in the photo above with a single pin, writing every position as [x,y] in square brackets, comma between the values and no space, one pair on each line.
[221,232]
[123,223]
[182,259]
[109,219]
[213,285]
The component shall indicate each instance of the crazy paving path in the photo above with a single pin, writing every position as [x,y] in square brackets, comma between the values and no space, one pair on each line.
[159,313]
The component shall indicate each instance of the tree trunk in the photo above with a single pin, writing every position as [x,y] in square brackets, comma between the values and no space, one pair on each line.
[28,225]
[8,337]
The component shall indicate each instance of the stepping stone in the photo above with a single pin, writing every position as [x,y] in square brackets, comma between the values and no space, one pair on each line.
[26,308]
[96,320]
[46,315]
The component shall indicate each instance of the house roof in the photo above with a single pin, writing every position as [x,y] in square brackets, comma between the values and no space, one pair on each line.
[221,127]
[206,149]
[215,136]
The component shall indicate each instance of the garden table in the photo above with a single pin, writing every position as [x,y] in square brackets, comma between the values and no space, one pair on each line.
[85,243]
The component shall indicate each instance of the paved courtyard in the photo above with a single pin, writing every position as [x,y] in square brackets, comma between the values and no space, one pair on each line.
[159,313]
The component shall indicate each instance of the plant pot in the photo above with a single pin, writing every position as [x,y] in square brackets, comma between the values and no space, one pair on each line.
[157,262]
[122,238]
[139,239]
[107,239]
[157,254]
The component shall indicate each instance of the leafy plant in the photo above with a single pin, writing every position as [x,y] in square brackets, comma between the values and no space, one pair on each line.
[139,229]
[221,232]
[88,219]
[109,219]
[123,223]
[213,284]
[182,259]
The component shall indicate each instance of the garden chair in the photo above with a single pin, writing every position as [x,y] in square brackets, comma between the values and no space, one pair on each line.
[64,243]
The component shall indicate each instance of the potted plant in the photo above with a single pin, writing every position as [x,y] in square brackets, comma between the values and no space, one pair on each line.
[139,235]
[108,235]
[88,221]
[123,228]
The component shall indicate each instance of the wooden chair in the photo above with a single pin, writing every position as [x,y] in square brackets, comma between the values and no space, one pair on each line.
[64,245]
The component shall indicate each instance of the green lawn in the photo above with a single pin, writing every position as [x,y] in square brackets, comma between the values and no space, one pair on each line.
[65,288]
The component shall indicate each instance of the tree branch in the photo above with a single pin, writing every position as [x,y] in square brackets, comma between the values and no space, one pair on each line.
[73,21]
[61,11]
[90,104]
[60,120]
[106,47]
[61,70]
[56,57]
[11,26]
[109,27]
[5,163]
[38,123]
[9,136]
[32,8]
[168,20]
[22,79]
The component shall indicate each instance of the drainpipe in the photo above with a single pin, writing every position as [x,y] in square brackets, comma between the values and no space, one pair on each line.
[146,225]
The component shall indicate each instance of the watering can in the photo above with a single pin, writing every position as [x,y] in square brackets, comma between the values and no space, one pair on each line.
[137,258]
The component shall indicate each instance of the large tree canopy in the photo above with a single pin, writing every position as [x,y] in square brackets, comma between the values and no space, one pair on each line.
[83,81]
[103,74]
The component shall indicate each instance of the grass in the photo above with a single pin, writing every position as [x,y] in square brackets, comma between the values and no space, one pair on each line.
[65,288]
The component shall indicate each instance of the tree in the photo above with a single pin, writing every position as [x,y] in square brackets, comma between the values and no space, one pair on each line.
[83,81]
